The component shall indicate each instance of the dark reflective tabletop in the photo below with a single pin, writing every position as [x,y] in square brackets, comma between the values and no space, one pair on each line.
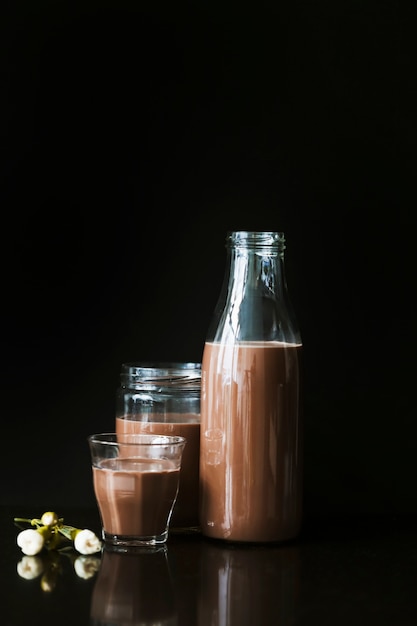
[340,572]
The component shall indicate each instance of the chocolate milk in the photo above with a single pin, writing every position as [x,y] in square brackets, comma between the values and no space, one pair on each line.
[185,513]
[133,497]
[250,469]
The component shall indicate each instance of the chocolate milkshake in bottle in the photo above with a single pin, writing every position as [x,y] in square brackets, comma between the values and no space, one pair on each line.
[251,431]
[164,399]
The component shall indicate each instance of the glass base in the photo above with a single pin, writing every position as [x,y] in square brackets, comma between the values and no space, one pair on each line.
[128,543]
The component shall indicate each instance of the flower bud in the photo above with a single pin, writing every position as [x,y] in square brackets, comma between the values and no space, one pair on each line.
[31,541]
[50,519]
[86,542]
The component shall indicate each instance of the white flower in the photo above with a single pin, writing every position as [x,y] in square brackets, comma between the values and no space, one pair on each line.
[86,566]
[30,541]
[86,542]
[30,567]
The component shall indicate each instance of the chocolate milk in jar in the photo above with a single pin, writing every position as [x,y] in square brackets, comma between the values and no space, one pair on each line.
[164,399]
[251,437]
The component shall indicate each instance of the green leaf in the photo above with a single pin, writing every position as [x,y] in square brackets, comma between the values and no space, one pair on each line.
[67,531]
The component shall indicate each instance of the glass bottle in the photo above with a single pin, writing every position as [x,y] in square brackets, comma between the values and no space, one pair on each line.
[251,437]
[164,398]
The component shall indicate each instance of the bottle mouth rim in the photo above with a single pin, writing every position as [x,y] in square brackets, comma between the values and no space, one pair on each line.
[256,239]
[151,375]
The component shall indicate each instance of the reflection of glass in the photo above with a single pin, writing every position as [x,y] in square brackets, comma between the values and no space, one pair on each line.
[134,589]
[247,585]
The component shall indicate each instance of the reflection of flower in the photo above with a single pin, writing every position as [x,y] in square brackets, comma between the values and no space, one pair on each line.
[86,566]
[48,566]
[53,568]
[49,533]
[86,542]
[30,567]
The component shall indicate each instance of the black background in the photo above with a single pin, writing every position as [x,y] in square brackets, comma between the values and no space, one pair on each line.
[134,135]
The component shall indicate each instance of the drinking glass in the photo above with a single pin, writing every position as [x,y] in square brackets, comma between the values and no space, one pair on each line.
[136,480]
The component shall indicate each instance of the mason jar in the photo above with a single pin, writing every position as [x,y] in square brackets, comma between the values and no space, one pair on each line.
[164,398]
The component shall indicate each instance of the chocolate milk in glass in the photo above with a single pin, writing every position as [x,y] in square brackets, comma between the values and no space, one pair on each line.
[125,489]
[251,439]
[164,399]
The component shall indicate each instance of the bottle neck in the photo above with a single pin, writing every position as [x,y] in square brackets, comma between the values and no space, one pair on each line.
[256,261]
[254,303]
[256,271]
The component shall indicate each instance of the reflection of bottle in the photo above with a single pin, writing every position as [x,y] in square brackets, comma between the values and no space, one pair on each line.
[164,398]
[242,584]
[250,444]
[184,557]
[134,589]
